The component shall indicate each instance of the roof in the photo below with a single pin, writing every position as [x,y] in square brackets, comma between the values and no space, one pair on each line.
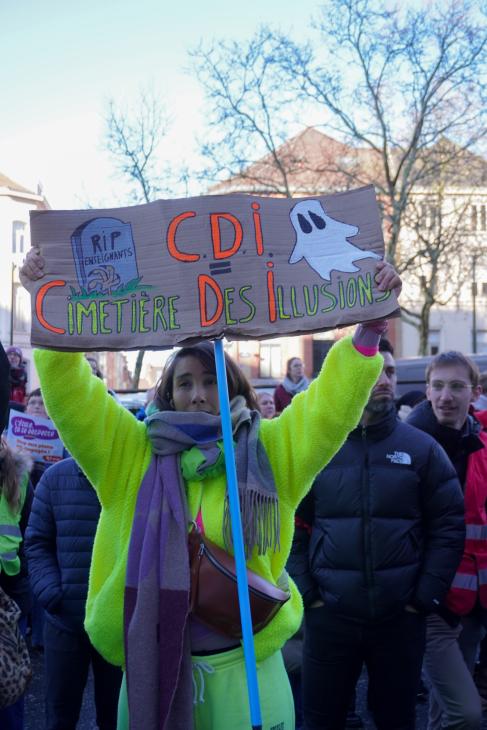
[13,189]
[316,164]
[6,182]
[455,166]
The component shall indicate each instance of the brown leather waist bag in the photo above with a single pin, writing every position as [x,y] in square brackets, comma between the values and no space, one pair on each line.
[214,594]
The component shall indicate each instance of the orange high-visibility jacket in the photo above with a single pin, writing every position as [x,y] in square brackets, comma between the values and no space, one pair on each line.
[470,581]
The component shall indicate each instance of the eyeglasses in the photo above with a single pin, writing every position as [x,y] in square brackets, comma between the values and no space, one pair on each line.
[456,386]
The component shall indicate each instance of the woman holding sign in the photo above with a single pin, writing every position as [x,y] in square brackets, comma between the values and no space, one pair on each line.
[161,482]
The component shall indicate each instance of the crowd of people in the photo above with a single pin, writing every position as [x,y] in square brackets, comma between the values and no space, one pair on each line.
[372,526]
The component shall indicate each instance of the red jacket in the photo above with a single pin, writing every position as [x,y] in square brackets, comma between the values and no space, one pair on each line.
[281,398]
[470,579]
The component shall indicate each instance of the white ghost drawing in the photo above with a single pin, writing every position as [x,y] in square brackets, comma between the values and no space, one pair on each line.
[322,240]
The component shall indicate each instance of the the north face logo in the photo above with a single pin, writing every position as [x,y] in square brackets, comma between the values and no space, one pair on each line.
[399,457]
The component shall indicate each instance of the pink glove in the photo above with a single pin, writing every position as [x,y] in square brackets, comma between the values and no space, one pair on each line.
[367,336]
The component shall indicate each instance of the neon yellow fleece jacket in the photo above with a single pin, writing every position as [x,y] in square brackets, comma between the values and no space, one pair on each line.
[114,451]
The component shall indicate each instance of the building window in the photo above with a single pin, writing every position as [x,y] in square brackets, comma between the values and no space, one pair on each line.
[483,219]
[434,342]
[473,218]
[18,237]
[320,351]
[482,341]
[270,360]
[429,216]
[21,308]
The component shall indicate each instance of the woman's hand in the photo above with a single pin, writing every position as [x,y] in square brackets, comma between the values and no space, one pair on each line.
[387,277]
[32,268]
[367,335]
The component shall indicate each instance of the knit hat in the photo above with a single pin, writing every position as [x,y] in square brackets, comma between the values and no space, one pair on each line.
[411,398]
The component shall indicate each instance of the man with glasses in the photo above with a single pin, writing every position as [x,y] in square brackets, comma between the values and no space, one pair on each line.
[376,545]
[455,630]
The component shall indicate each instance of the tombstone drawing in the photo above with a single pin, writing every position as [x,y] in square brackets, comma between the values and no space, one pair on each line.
[323,241]
[104,255]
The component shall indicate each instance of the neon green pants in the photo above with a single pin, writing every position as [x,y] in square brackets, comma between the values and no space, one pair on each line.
[220,694]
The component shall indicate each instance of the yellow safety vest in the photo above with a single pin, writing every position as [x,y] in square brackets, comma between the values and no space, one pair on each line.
[10,535]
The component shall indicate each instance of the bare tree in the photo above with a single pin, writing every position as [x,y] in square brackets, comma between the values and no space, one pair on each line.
[248,116]
[437,260]
[133,138]
[395,83]
[390,84]
[441,235]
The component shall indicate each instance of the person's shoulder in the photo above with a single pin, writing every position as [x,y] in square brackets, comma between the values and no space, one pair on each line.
[413,434]
[65,468]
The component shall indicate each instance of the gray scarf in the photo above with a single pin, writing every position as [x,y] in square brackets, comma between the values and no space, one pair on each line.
[292,388]
[197,437]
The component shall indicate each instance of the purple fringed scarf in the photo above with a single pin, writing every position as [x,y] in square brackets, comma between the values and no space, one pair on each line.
[157,651]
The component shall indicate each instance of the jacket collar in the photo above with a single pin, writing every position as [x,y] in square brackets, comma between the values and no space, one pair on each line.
[378,430]
[465,440]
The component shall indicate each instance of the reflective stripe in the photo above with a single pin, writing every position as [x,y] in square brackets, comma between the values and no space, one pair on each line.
[466,581]
[8,556]
[482,573]
[477,532]
[13,530]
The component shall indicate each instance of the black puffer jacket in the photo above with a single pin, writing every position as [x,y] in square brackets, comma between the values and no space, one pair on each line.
[385,525]
[59,542]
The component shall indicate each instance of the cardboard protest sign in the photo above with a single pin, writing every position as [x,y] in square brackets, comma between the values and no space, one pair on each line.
[174,271]
[35,435]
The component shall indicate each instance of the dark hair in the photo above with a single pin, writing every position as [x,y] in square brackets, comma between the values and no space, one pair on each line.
[411,398]
[97,371]
[237,382]
[36,393]
[288,363]
[453,357]
[483,381]
[385,346]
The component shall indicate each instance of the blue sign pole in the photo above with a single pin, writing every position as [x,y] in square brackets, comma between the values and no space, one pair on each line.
[238,544]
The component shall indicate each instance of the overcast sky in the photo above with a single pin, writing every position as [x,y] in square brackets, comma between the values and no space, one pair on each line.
[62,61]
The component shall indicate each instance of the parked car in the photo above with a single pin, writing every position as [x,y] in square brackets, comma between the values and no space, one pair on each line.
[133,400]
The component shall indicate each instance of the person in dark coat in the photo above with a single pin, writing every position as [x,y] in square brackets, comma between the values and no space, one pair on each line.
[455,630]
[17,375]
[59,543]
[377,542]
